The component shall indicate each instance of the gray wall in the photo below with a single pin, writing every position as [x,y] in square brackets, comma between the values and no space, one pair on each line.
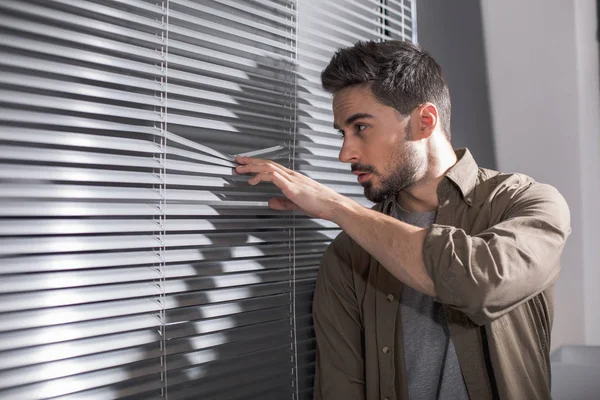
[452,32]
[545,105]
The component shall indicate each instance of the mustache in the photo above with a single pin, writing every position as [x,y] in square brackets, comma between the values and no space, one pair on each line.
[363,168]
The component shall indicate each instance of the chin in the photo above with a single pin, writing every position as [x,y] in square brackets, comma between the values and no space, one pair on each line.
[374,195]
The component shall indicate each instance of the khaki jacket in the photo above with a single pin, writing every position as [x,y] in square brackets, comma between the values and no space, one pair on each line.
[493,254]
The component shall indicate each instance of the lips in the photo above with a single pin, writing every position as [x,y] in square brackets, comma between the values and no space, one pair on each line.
[362,176]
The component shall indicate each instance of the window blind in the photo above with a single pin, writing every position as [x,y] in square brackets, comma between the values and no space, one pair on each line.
[133,262]
[82,198]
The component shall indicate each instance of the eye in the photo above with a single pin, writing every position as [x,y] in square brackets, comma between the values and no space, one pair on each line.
[341,132]
[361,127]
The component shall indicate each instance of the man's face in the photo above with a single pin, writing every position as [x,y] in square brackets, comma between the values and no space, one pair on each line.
[377,143]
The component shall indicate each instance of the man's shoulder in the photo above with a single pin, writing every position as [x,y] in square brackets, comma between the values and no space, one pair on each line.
[491,182]
[498,178]
[510,188]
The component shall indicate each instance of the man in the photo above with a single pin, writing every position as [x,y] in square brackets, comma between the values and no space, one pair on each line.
[445,289]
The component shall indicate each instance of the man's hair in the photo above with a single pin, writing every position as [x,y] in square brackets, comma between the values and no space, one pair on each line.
[402,75]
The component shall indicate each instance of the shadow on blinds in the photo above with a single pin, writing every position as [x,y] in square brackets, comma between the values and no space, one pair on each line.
[233,265]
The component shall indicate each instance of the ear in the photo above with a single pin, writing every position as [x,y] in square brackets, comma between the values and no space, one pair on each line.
[425,119]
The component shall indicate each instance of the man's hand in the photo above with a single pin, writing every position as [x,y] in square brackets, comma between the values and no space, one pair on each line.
[396,245]
[301,192]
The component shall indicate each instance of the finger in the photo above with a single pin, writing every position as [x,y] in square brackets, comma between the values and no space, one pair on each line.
[263,169]
[281,203]
[283,184]
[275,177]
[266,176]
[249,160]
[244,161]
[252,168]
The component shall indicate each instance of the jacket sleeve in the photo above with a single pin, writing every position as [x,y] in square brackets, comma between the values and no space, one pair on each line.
[339,357]
[488,274]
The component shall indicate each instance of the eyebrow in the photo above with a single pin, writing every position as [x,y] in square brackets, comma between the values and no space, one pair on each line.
[353,118]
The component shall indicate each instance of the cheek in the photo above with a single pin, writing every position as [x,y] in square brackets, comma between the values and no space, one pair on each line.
[390,152]
[380,144]
[395,158]
[382,150]
[391,143]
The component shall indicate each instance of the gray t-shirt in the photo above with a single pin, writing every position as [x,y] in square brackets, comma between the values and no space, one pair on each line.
[432,369]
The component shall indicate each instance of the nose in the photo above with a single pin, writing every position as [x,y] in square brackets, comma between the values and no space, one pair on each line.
[348,152]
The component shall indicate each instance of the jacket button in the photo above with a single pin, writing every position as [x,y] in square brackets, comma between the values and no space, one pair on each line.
[390,297]
[385,349]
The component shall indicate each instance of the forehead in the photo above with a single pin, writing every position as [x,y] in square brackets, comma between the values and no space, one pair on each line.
[357,100]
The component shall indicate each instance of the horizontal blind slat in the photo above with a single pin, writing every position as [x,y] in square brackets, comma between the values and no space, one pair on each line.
[16,227]
[71,244]
[73,71]
[200,306]
[229,29]
[63,262]
[79,38]
[71,88]
[258,12]
[41,118]
[118,13]
[66,332]
[56,156]
[78,140]
[80,21]
[66,52]
[142,5]
[78,278]
[85,107]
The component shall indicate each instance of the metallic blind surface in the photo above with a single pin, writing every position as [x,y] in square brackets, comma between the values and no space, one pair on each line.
[133,262]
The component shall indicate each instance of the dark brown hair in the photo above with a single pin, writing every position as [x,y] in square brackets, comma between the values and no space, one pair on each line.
[402,75]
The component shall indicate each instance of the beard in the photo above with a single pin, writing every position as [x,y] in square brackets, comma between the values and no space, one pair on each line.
[406,169]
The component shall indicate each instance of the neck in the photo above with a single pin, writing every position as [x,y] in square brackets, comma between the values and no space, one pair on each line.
[422,195]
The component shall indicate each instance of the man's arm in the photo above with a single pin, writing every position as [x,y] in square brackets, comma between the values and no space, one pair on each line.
[397,246]
[488,274]
[483,275]
[340,370]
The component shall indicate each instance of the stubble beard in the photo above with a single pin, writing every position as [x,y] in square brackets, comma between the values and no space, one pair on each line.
[402,175]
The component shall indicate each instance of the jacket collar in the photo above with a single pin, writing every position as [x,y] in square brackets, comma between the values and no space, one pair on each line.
[463,175]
